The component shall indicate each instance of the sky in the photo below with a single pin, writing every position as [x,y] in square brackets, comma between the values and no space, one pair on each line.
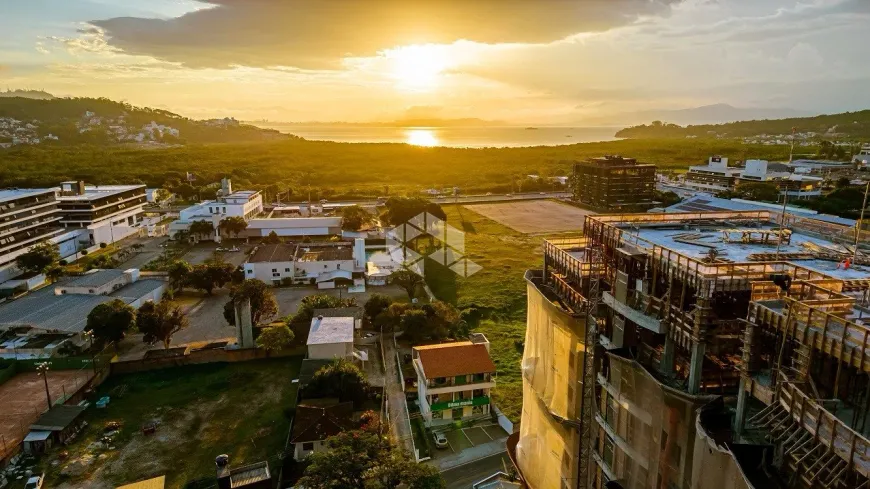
[519,61]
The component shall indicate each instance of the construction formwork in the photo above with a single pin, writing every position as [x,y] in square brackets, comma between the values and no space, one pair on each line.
[759,330]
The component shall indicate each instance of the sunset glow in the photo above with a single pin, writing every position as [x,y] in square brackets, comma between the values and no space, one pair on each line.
[421,137]
[417,67]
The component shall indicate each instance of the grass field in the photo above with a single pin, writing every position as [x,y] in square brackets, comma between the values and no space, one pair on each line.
[240,409]
[499,289]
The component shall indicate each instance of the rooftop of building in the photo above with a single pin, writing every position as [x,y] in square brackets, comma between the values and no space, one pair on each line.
[611,161]
[318,419]
[58,417]
[355,312]
[329,330]
[293,222]
[93,192]
[20,193]
[274,253]
[95,278]
[242,194]
[326,253]
[709,203]
[139,288]
[249,474]
[452,359]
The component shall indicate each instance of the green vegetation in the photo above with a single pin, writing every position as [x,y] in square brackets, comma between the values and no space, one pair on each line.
[343,170]
[497,293]
[58,116]
[342,380]
[262,300]
[275,338]
[39,258]
[158,322]
[110,321]
[198,411]
[848,124]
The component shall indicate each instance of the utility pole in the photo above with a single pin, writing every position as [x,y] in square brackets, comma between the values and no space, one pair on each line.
[42,369]
[860,222]
[782,220]
[791,151]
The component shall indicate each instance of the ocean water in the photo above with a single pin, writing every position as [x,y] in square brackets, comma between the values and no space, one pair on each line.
[457,137]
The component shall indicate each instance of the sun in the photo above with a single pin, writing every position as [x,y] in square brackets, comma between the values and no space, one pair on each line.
[418,66]
[421,137]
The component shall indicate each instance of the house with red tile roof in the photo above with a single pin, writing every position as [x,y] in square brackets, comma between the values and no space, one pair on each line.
[454,380]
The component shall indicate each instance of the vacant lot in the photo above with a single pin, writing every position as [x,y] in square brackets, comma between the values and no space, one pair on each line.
[535,216]
[202,411]
[22,400]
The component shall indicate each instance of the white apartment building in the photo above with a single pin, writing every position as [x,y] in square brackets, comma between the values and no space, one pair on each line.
[27,217]
[279,264]
[454,380]
[108,213]
[244,203]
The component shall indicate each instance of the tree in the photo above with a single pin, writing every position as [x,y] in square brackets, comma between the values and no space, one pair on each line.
[39,258]
[391,318]
[340,379]
[444,321]
[233,225]
[201,229]
[762,191]
[263,303]
[415,324]
[842,182]
[54,273]
[110,321]
[272,238]
[275,338]
[354,217]
[179,272]
[158,322]
[407,280]
[220,271]
[402,209]
[376,304]
[202,278]
[363,459]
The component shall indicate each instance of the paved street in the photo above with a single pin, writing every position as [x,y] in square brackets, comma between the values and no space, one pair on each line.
[464,476]
[151,251]
[399,423]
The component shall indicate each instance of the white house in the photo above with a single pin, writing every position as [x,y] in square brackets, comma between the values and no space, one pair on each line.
[245,203]
[279,264]
[331,337]
[454,380]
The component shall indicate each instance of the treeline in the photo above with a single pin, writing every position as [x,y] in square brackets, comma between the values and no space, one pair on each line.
[848,124]
[338,170]
[58,116]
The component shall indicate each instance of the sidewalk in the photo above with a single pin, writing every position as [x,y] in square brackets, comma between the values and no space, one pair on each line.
[469,455]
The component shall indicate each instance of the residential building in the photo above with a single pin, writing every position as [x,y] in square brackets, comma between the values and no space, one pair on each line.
[27,218]
[316,420]
[454,380]
[105,213]
[322,264]
[331,338]
[652,361]
[614,183]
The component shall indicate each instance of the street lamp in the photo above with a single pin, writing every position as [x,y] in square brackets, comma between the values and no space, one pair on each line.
[42,369]
[89,334]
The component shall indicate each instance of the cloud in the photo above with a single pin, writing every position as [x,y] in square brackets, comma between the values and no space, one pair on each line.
[318,34]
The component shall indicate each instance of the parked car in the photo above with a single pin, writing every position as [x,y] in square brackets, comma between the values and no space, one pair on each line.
[234,249]
[219,248]
[440,440]
[35,482]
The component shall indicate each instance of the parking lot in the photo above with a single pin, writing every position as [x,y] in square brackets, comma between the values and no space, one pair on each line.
[464,438]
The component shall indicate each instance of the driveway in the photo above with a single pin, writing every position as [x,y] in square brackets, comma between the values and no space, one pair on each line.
[150,251]
[464,476]
[469,444]
[201,252]
[206,316]
[400,424]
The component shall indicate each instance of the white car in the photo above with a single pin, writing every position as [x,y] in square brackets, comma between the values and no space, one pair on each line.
[35,482]
[234,249]
[440,440]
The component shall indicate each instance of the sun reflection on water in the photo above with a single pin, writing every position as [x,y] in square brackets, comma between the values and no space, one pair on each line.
[421,137]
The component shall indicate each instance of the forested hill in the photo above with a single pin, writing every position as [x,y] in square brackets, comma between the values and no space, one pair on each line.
[72,121]
[855,125]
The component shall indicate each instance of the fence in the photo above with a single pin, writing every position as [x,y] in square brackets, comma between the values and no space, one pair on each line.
[217,355]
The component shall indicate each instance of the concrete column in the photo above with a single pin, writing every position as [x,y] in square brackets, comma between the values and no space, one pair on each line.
[667,362]
[742,399]
[696,366]
[244,325]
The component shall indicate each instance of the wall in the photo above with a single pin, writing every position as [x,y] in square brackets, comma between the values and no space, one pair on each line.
[299,454]
[154,296]
[313,269]
[714,465]
[263,271]
[330,350]
[202,356]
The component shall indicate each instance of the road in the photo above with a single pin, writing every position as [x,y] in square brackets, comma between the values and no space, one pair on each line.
[466,475]
[461,199]
[399,423]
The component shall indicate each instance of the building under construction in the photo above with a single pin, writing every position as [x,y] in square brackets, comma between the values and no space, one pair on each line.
[719,350]
[613,183]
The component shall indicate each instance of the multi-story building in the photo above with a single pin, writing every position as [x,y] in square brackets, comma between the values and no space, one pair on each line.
[716,176]
[454,380]
[716,350]
[243,203]
[27,217]
[614,183]
[108,212]
[278,264]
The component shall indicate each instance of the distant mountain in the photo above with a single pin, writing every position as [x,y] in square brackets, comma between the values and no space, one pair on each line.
[855,125]
[32,94]
[66,121]
[707,114]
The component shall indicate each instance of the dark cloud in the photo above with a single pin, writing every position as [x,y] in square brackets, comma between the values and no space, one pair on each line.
[314,34]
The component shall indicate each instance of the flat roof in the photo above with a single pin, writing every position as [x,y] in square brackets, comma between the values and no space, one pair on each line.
[249,474]
[711,235]
[326,254]
[293,222]
[93,192]
[329,330]
[452,359]
[95,278]
[709,203]
[58,417]
[139,288]
[20,193]
[274,253]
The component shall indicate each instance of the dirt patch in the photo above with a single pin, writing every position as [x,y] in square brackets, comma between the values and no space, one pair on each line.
[535,216]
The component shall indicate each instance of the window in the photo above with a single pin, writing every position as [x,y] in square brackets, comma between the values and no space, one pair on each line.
[286,269]
[324,266]
[250,272]
[276,274]
[308,446]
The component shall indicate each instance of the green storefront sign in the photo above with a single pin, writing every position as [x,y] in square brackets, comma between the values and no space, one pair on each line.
[477,401]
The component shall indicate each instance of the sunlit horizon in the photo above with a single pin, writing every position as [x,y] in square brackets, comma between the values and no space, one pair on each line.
[422,137]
